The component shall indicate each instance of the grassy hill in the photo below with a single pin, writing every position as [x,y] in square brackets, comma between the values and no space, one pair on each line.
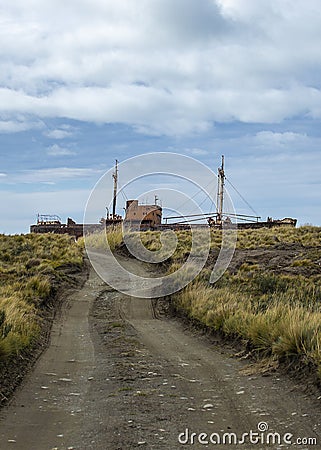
[269,298]
[32,267]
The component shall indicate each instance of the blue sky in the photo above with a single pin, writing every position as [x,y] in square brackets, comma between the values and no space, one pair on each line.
[84,82]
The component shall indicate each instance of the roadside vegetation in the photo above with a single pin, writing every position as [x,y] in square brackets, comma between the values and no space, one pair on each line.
[32,267]
[276,315]
[307,236]
[274,309]
[101,240]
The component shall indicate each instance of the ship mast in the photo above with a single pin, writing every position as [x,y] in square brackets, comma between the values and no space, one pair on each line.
[115,177]
[220,193]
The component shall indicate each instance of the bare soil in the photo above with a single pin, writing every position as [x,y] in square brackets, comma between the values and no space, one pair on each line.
[119,375]
[281,258]
[14,369]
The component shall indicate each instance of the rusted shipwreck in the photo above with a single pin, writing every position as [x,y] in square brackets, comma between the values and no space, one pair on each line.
[142,217]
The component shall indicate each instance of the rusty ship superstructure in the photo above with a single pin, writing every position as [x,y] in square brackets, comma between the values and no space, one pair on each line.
[142,217]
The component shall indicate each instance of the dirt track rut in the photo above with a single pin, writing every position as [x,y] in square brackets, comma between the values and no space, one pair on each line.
[117,377]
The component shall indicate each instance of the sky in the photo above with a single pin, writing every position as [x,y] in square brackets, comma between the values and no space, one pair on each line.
[85,82]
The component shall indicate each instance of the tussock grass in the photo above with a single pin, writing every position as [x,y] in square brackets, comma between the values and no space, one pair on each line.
[277,314]
[112,238]
[307,236]
[283,328]
[30,268]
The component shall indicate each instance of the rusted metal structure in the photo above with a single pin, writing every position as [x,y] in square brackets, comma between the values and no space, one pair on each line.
[113,219]
[221,219]
[242,221]
[142,217]
[220,193]
[46,224]
[52,224]
[115,177]
[48,219]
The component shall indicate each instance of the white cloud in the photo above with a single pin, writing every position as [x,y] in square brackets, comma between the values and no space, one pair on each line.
[270,138]
[15,126]
[162,66]
[59,134]
[196,151]
[165,67]
[58,174]
[157,111]
[52,176]
[57,150]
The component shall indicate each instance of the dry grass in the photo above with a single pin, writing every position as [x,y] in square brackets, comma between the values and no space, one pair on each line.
[281,328]
[111,238]
[29,270]
[307,236]
[277,314]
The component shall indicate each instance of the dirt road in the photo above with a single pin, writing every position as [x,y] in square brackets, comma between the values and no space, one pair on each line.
[116,376]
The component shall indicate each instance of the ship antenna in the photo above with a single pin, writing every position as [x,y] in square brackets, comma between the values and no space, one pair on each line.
[115,177]
[220,192]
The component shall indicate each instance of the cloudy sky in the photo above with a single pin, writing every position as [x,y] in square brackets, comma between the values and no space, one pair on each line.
[86,81]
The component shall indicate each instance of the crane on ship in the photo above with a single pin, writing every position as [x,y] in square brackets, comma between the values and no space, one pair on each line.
[221,218]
